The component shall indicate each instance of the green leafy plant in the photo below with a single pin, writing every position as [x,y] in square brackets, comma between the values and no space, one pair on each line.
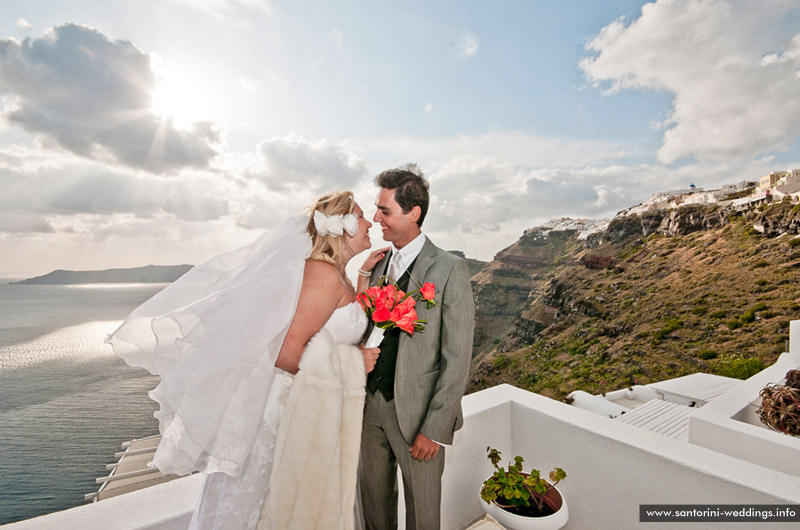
[515,490]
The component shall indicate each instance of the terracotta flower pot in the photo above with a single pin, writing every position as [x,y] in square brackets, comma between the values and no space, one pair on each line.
[556,520]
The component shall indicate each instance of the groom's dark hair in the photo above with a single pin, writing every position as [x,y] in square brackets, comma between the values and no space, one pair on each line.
[410,188]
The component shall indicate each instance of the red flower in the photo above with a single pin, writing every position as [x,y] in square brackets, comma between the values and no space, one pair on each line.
[389,307]
[391,294]
[365,301]
[402,309]
[407,321]
[381,314]
[427,291]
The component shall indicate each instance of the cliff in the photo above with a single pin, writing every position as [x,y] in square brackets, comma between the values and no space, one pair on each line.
[654,295]
[474,265]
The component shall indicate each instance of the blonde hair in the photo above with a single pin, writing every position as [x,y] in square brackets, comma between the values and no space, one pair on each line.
[328,248]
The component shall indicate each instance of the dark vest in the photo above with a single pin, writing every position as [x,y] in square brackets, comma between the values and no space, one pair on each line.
[382,377]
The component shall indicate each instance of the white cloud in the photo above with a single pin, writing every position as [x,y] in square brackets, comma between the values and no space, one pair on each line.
[336,36]
[91,96]
[246,84]
[23,24]
[75,190]
[428,107]
[315,166]
[11,223]
[508,146]
[734,94]
[224,8]
[468,45]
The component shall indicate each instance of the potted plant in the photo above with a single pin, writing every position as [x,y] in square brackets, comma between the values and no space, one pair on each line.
[780,405]
[524,501]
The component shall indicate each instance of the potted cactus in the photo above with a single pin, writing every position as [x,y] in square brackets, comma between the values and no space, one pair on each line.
[524,501]
[780,405]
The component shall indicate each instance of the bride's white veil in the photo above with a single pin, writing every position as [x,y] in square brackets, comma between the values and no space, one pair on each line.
[213,337]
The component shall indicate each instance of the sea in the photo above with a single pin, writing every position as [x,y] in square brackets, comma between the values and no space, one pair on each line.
[66,402]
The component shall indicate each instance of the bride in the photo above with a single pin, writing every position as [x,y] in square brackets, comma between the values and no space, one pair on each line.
[262,387]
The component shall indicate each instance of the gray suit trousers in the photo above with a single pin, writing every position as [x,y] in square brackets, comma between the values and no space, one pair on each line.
[383,448]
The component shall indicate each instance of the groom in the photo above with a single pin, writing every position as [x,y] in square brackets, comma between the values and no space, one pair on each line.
[413,404]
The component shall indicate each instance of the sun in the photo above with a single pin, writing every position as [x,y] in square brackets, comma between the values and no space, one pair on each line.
[181,99]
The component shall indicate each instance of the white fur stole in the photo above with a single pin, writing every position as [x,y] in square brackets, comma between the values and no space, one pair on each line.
[313,482]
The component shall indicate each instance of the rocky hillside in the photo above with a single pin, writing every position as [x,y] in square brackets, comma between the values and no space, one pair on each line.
[653,296]
[474,265]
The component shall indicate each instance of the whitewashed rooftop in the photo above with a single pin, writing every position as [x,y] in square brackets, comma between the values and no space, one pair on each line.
[700,387]
[662,417]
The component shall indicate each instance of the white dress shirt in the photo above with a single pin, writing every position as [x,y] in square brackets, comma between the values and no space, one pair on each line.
[405,256]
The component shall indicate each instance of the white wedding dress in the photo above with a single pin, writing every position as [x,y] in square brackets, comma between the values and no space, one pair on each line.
[213,337]
[240,502]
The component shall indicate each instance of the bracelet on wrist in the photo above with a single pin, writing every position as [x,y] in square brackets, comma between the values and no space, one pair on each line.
[362,272]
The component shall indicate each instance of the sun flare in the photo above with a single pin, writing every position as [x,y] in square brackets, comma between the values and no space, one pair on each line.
[182,100]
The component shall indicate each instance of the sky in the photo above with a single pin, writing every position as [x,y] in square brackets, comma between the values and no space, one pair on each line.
[166,132]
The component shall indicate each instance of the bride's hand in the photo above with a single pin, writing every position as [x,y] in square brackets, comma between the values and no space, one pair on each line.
[374,257]
[370,357]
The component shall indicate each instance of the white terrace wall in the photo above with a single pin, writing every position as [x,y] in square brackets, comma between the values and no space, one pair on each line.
[166,506]
[612,467]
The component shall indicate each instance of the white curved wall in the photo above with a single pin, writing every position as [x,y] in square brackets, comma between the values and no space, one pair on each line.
[612,467]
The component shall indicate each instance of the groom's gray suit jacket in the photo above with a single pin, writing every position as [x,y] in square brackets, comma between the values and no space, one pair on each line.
[433,365]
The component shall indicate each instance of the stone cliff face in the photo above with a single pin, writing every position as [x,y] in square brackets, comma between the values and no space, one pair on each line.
[654,295]
[503,289]
[680,221]
[780,218]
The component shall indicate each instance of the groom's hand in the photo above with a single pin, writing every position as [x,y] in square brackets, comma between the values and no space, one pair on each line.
[424,448]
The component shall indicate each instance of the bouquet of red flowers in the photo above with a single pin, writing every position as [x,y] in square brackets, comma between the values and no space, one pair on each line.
[389,307]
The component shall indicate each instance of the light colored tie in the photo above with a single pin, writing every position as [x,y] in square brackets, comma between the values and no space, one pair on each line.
[395,267]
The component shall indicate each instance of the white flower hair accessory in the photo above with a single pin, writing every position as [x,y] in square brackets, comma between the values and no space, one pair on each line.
[335,225]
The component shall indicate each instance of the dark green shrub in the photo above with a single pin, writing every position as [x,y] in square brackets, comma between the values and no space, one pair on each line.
[750,315]
[502,361]
[707,354]
[749,231]
[736,366]
[670,326]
